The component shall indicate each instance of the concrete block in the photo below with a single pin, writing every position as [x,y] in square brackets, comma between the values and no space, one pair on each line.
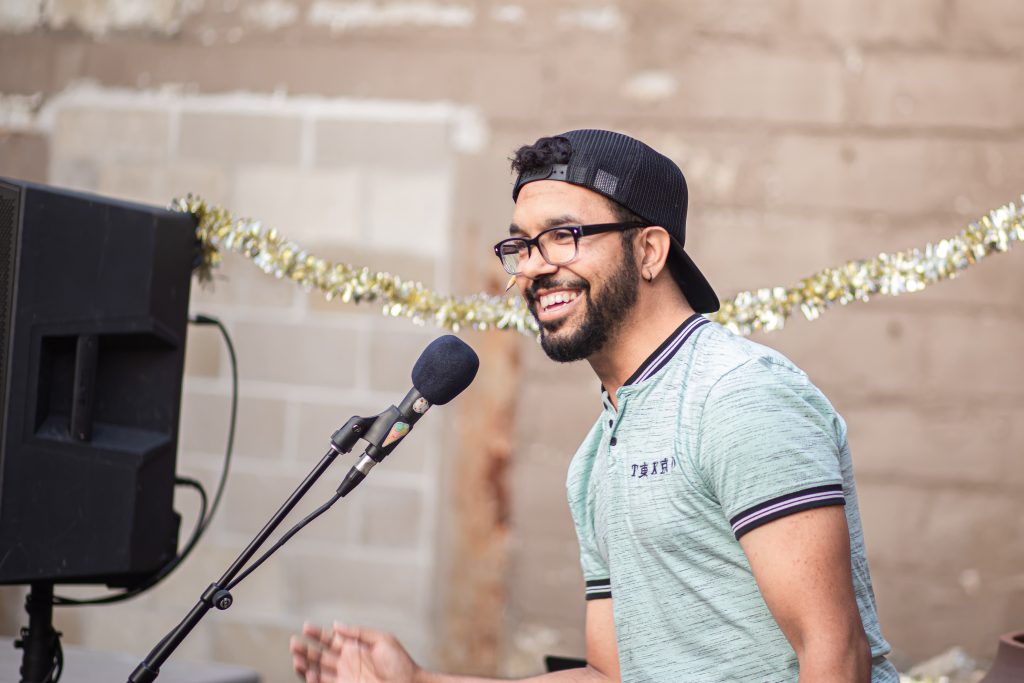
[209,181]
[97,132]
[396,346]
[353,581]
[239,283]
[75,174]
[887,174]
[239,137]
[987,26]
[296,354]
[24,156]
[127,627]
[253,496]
[923,613]
[915,527]
[833,349]
[900,22]
[932,441]
[423,146]
[204,422]
[549,585]
[323,206]
[393,517]
[747,18]
[202,351]
[133,182]
[408,211]
[914,91]
[739,249]
[737,83]
[259,434]
[260,644]
[976,353]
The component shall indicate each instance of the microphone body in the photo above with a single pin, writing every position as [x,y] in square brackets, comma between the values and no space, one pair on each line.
[445,368]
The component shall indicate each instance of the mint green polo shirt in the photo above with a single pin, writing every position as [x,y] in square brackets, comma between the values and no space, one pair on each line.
[714,436]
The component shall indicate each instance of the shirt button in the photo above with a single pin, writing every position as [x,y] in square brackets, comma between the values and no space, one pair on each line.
[613,441]
[611,423]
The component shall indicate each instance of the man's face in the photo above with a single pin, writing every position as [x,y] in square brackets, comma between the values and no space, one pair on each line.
[581,305]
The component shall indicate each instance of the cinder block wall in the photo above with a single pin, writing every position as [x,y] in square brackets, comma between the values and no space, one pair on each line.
[811,131]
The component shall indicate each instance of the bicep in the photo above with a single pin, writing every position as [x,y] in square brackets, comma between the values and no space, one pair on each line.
[602,650]
[802,567]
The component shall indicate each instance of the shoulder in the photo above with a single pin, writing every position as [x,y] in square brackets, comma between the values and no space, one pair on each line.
[727,362]
[746,383]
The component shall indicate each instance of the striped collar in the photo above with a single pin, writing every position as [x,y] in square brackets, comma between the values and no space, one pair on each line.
[663,354]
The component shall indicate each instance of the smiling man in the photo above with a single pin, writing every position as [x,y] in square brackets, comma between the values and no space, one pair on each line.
[713,498]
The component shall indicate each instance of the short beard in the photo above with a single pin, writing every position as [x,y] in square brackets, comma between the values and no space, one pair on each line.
[605,314]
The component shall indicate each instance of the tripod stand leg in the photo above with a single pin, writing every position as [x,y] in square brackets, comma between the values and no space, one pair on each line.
[40,641]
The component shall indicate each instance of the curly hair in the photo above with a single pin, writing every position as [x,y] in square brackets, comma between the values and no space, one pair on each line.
[558,150]
[544,152]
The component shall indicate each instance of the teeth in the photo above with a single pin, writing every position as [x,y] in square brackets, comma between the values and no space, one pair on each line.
[557,298]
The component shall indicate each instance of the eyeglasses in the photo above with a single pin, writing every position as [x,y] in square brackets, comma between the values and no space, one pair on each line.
[558,246]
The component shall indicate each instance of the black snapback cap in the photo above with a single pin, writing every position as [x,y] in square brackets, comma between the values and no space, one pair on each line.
[642,180]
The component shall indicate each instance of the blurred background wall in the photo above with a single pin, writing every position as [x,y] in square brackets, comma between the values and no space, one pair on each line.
[377,132]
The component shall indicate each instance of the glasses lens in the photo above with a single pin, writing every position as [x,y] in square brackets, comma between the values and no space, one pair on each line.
[558,246]
[512,253]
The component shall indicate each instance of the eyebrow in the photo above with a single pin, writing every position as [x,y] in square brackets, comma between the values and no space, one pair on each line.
[565,219]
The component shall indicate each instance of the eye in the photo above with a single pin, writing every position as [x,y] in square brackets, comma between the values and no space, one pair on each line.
[561,235]
[513,247]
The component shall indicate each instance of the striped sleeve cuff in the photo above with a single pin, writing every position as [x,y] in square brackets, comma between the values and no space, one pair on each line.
[599,589]
[762,513]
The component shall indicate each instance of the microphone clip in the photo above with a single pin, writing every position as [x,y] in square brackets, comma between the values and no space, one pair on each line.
[348,435]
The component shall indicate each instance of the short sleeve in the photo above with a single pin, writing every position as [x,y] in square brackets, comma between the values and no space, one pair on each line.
[769,445]
[592,561]
[595,569]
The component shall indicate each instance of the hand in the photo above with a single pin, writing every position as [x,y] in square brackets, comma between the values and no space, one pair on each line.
[351,655]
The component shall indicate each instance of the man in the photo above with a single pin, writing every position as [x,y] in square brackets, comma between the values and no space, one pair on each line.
[713,498]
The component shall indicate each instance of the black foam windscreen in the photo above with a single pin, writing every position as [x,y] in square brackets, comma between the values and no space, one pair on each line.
[445,368]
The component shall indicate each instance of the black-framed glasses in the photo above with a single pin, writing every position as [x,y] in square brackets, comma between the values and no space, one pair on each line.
[558,246]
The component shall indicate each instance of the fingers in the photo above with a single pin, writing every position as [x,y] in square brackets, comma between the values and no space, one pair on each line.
[314,632]
[311,657]
[364,635]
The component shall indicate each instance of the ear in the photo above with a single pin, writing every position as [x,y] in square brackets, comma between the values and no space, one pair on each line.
[654,249]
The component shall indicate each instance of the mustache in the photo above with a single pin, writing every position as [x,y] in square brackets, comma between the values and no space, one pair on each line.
[551,282]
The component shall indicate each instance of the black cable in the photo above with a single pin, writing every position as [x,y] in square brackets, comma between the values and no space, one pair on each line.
[284,539]
[201,319]
[58,664]
[205,516]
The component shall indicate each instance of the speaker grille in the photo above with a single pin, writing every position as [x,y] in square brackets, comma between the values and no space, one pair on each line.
[8,234]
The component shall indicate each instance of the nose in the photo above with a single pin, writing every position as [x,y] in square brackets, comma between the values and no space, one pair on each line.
[535,265]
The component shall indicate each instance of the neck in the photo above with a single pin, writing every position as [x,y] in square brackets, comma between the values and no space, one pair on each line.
[657,313]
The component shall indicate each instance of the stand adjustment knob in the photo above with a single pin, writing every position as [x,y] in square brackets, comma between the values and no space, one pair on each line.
[222,599]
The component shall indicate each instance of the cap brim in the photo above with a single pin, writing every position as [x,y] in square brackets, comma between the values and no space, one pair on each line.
[695,286]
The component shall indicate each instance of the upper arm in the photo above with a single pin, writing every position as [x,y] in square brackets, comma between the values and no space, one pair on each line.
[801,563]
[602,650]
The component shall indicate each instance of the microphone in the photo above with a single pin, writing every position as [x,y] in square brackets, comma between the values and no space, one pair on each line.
[443,371]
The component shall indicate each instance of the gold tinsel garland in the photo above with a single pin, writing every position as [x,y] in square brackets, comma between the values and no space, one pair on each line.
[767,309]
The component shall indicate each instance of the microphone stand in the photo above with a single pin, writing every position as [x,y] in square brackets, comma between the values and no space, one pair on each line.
[217,594]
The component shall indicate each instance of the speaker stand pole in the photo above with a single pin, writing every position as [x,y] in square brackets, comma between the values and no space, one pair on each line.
[41,662]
